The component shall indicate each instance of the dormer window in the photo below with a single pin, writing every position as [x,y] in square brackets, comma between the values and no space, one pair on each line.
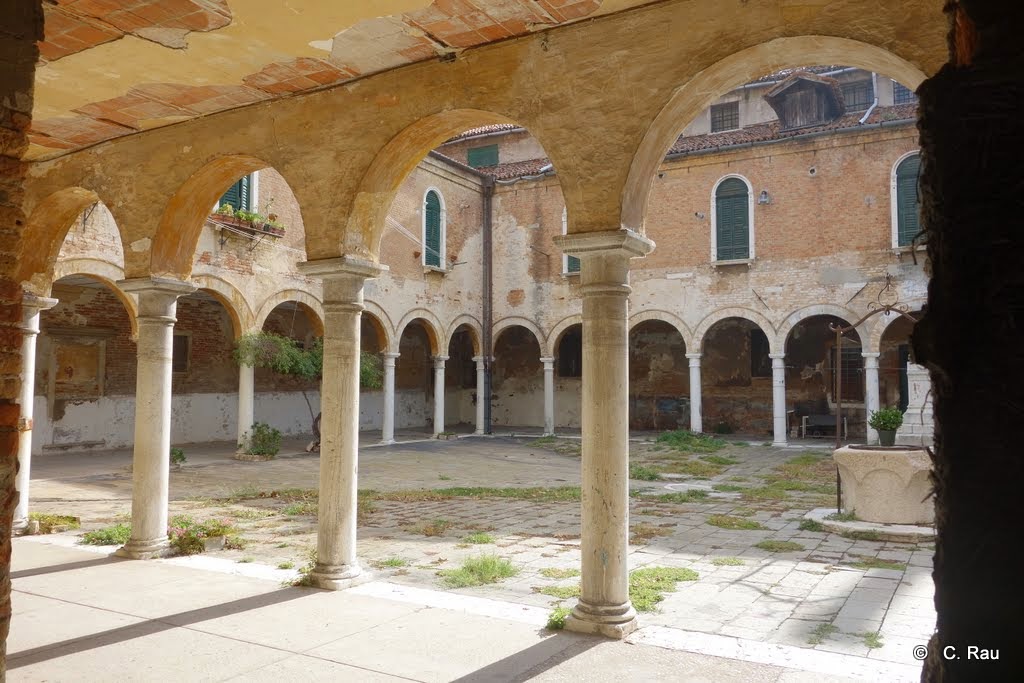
[805,99]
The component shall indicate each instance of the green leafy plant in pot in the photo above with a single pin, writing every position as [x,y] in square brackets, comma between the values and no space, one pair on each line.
[886,421]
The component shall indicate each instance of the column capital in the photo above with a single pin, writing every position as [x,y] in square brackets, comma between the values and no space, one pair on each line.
[37,303]
[479,359]
[439,362]
[390,355]
[621,242]
[170,287]
[693,356]
[31,305]
[341,266]
[870,354]
[774,356]
[547,361]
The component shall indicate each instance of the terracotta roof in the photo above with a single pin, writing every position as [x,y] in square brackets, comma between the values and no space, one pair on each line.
[785,73]
[765,132]
[516,169]
[484,130]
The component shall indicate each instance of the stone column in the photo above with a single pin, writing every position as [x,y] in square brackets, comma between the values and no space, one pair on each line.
[336,566]
[31,306]
[439,394]
[696,423]
[604,607]
[780,428]
[871,398]
[388,417]
[549,396]
[481,390]
[246,404]
[158,302]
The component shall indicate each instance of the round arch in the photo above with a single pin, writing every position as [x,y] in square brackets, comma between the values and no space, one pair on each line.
[516,321]
[308,300]
[231,299]
[127,300]
[45,230]
[475,331]
[104,270]
[740,67]
[747,314]
[431,324]
[555,336]
[181,222]
[795,318]
[873,343]
[382,322]
[665,317]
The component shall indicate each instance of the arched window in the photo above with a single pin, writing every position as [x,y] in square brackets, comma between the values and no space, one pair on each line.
[433,230]
[570,264]
[732,221]
[906,223]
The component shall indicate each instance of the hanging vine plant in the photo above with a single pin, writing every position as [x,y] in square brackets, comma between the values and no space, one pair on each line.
[284,355]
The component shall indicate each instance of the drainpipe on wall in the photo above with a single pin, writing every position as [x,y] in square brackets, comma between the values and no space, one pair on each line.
[488,302]
[874,89]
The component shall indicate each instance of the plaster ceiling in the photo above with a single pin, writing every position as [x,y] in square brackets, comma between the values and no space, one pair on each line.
[113,67]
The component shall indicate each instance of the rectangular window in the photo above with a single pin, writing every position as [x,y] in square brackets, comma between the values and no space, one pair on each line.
[572,264]
[180,354]
[478,157]
[853,373]
[902,95]
[239,195]
[725,116]
[732,239]
[858,95]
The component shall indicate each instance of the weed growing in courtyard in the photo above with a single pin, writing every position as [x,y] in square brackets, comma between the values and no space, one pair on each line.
[779,546]
[50,523]
[842,516]
[643,532]
[688,442]
[690,496]
[178,456]
[727,562]
[560,592]
[305,577]
[821,633]
[861,535]
[554,573]
[304,508]
[432,528]
[719,459]
[648,585]
[245,560]
[287,564]
[868,562]
[188,536]
[117,534]
[694,468]
[735,523]
[479,538]
[641,473]
[390,563]
[727,488]
[556,620]
[251,513]
[538,494]
[235,542]
[811,525]
[873,639]
[444,477]
[478,571]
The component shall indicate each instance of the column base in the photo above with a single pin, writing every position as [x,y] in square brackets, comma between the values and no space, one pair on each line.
[385,442]
[145,550]
[21,527]
[338,577]
[780,444]
[610,621]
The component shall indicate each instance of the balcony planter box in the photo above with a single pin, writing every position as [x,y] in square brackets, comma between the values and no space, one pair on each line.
[252,227]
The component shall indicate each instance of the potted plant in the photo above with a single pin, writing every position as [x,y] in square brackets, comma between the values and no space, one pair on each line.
[886,421]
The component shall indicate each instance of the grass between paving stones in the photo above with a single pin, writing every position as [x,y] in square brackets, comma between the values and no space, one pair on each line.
[479,538]
[647,586]
[539,494]
[821,633]
[286,565]
[688,442]
[390,563]
[868,562]
[478,571]
[434,527]
[719,459]
[736,523]
[779,546]
[641,473]
[873,639]
[697,469]
[305,508]
[689,496]
[861,535]
[251,513]
[116,534]
[842,517]
[560,592]
[744,512]
[49,523]
[728,562]
[555,573]
[811,525]
[556,620]
[305,577]
[642,532]
[727,488]
[561,446]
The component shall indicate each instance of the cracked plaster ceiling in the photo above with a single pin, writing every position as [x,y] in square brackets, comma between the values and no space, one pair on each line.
[113,67]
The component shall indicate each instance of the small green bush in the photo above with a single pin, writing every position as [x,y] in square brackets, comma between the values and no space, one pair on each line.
[118,534]
[886,419]
[178,456]
[477,571]
[556,620]
[187,535]
[641,473]
[263,440]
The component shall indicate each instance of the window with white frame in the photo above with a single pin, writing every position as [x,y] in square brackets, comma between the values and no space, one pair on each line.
[732,235]
[433,230]
[243,195]
[905,202]
[570,264]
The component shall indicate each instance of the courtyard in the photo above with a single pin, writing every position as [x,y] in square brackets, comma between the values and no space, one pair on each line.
[730,511]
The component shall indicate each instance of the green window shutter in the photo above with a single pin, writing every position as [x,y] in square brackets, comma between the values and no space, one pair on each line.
[907,204]
[572,264]
[732,220]
[432,246]
[478,157]
[237,195]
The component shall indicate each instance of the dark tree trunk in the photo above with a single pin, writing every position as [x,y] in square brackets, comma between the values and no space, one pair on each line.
[972,339]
